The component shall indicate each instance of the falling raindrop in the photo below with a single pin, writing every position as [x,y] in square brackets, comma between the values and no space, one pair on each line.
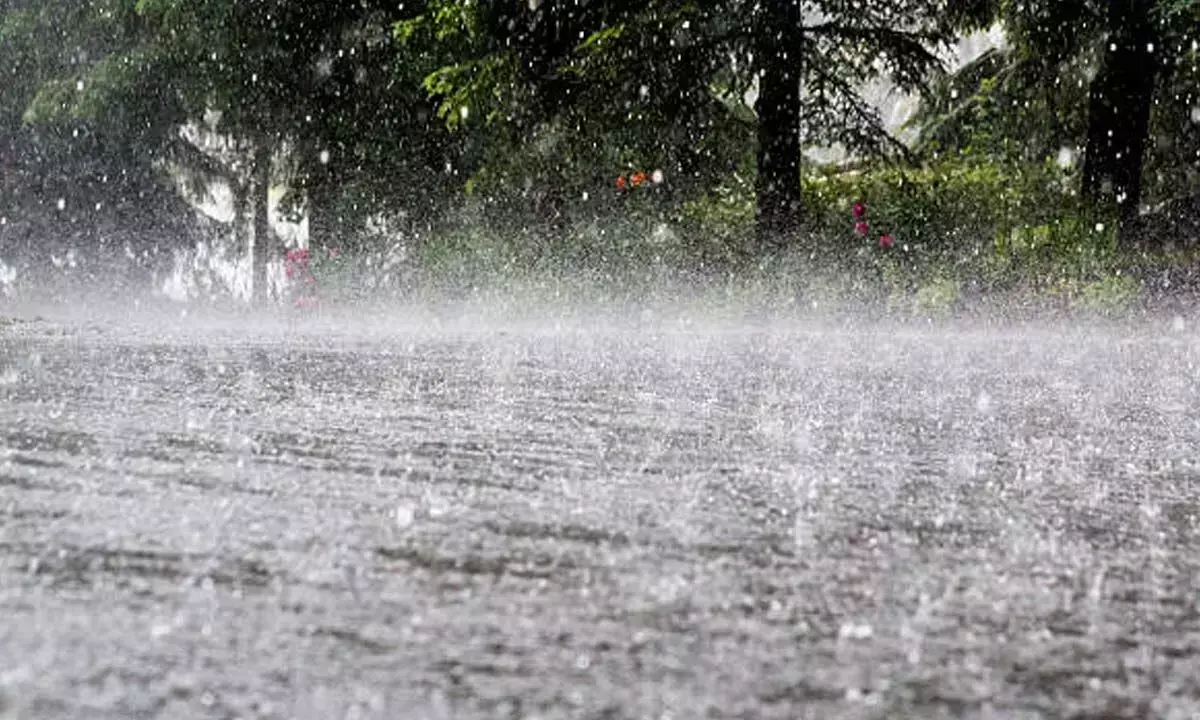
[404,515]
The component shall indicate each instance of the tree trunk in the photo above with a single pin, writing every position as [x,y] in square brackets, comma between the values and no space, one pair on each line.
[778,108]
[321,223]
[1120,99]
[261,187]
[241,222]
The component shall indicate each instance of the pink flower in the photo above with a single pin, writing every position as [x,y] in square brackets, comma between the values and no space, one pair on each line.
[861,227]
[886,241]
[860,211]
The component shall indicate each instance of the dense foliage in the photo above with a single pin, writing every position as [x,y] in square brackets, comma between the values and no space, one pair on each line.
[603,134]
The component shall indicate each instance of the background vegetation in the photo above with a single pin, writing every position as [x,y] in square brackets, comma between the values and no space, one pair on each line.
[450,142]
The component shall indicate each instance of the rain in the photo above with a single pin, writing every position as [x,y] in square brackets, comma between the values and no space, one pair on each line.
[578,359]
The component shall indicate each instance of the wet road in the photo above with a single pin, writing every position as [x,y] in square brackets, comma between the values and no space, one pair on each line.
[663,521]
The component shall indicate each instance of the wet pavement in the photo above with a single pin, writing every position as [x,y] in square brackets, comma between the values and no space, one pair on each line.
[652,520]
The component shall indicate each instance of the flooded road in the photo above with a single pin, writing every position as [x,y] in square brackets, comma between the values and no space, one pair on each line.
[663,520]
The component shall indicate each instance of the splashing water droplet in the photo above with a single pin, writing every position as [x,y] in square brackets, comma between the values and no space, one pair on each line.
[404,515]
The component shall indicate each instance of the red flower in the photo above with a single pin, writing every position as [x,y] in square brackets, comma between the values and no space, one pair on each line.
[861,227]
[637,178]
[886,241]
[620,182]
[860,211]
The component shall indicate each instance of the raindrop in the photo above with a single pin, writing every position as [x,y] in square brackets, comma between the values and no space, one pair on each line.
[463,112]
[1099,227]
[657,177]
[1196,114]
[79,85]
[62,203]
[404,515]
[10,376]
[855,631]
[324,157]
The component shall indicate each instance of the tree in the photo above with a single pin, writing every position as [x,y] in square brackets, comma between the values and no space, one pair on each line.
[778,49]
[1115,79]
[690,66]
[235,71]
[83,124]
[305,87]
[1119,105]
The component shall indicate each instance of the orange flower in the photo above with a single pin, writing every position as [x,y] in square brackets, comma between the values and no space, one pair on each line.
[637,178]
[620,182]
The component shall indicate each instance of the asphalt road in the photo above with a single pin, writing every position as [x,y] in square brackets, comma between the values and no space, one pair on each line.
[656,519]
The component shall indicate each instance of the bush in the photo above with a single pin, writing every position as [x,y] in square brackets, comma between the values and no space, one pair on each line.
[954,224]
[941,215]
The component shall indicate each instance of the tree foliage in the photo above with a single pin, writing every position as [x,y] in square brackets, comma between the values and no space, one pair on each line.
[1111,84]
[352,111]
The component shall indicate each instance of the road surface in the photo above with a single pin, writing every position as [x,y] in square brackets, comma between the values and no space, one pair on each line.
[656,519]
